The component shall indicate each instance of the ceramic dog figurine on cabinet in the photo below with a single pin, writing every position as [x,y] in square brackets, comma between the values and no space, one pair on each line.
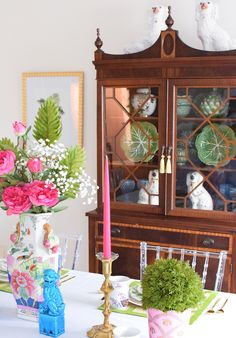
[149,194]
[199,196]
[212,36]
[159,15]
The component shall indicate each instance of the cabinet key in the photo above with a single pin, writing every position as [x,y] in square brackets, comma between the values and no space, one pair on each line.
[208,241]
[115,231]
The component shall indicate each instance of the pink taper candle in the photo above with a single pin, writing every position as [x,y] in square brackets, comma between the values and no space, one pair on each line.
[106,213]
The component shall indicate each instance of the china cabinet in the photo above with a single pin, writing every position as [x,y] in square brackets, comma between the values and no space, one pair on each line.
[166,118]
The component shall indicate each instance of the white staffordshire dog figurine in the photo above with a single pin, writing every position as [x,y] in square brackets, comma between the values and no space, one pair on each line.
[199,196]
[149,194]
[212,36]
[159,15]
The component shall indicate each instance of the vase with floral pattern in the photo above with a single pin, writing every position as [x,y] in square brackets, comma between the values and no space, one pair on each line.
[34,248]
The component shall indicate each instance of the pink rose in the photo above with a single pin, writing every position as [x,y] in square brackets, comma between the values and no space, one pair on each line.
[42,193]
[19,128]
[35,165]
[16,199]
[7,161]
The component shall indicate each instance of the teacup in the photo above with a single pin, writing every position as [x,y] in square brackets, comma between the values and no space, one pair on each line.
[119,297]
[126,332]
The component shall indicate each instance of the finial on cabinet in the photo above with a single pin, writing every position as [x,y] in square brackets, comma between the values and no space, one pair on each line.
[98,42]
[169,20]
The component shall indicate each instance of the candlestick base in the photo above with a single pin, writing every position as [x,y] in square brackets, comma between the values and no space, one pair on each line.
[99,331]
[106,329]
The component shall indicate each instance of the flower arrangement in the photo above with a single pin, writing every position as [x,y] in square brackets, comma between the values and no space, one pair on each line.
[37,174]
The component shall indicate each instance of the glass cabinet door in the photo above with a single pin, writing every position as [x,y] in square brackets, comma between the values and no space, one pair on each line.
[205,149]
[132,141]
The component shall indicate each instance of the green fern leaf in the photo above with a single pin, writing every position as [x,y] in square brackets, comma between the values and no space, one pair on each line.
[7,144]
[74,161]
[47,125]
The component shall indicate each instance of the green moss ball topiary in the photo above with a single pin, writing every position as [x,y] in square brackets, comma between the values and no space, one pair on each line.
[171,284]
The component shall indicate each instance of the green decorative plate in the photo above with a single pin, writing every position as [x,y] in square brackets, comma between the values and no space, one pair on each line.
[141,141]
[213,148]
[135,293]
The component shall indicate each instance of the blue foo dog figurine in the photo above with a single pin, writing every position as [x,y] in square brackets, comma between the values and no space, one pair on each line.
[51,310]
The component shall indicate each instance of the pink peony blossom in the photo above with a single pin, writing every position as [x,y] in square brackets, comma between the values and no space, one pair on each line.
[16,199]
[42,193]
[7,161]
[22,280]
[19,128]
[35,165]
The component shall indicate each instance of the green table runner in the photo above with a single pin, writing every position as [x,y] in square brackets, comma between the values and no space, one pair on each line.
[139,311]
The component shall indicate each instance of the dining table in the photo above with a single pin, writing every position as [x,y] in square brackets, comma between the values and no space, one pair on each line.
[82,297]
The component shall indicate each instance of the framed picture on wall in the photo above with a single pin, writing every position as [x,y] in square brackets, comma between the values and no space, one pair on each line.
[67,89]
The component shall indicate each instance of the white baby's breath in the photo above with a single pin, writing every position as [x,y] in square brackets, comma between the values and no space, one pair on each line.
[51,156]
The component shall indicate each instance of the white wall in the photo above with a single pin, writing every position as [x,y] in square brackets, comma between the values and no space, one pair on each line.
[59,35]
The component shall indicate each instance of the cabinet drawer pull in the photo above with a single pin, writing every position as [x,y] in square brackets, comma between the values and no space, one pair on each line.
[208,241]
[115,231]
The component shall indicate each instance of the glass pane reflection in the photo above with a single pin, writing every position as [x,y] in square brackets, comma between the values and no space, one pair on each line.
[206,149]
[132,142]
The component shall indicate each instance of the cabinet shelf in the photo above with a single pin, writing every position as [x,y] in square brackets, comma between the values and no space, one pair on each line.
[205,169]
[148,118]
[201,119]
[133,165]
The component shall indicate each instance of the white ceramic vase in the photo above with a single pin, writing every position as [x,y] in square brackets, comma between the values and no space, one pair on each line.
[138,99]
[170,324]
[34,248]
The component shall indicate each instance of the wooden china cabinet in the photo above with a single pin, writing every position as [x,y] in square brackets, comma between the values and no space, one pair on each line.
[171,108]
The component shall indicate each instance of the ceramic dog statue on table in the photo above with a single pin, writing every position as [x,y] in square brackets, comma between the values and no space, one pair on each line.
[159,15]
[199,196]
[149,194]
[212,36]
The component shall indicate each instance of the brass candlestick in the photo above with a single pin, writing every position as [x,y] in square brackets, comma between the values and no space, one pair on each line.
[105,330]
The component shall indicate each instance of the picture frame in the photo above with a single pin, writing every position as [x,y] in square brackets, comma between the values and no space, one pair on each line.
[68,88]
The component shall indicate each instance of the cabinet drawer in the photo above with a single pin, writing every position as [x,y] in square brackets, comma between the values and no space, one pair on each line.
[170,236]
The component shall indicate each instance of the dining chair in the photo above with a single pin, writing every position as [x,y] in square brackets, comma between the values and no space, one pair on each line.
[70,246]
[201,262]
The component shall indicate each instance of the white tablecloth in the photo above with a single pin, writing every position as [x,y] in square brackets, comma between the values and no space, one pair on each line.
[82,298]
